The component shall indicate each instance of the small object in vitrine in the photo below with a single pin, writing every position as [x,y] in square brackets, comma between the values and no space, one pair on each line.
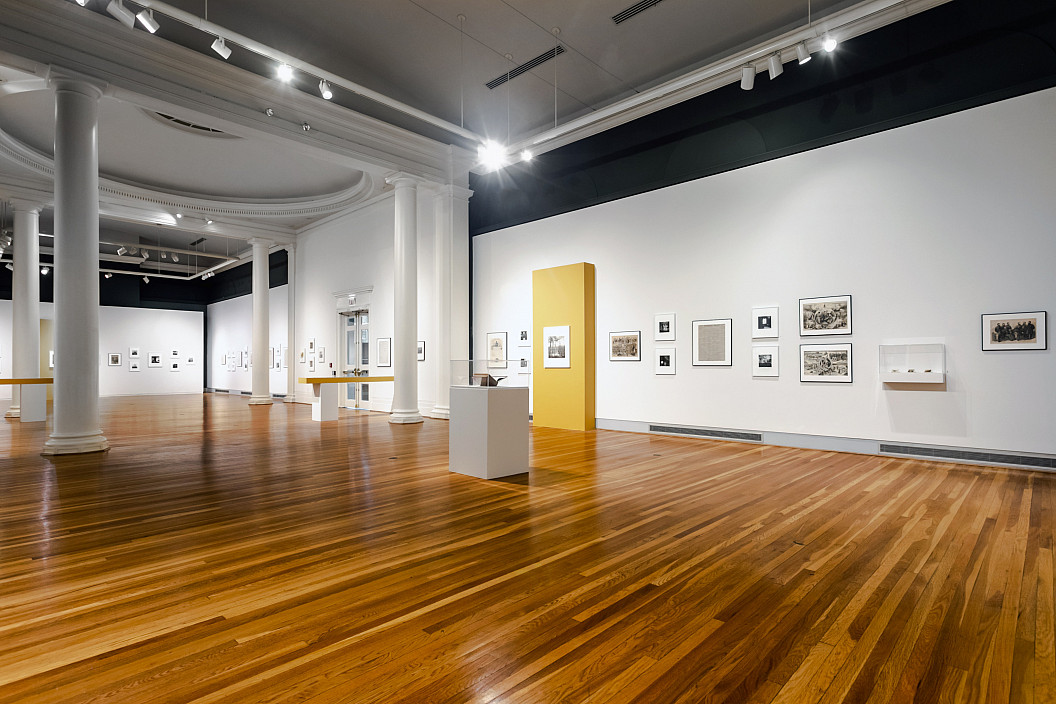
[910,371]
[927,371]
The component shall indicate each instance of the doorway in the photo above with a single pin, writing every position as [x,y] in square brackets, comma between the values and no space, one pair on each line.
[355,357]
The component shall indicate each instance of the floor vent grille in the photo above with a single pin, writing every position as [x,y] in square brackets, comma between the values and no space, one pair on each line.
[706,433]
[949,453]
[634,10]
[526,66]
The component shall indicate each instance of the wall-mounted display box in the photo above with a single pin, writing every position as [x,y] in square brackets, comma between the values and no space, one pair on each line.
[923,363]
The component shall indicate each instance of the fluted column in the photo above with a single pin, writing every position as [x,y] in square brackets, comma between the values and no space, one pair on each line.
[261,393]
[25,329]
[405,302]
[75,418]
[291,323]
[448,203]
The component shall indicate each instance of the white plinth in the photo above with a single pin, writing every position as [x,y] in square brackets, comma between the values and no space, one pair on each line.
[489,431]
[324,402]
[34,403]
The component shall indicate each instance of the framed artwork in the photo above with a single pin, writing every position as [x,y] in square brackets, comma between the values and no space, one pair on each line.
[625,346]
[246,359]
[320,354]
[384,352]
[304,356]
[421,350]
[828,315]
[285,357]
[524,364]
[664,360]
[496,350]
[311,364]
[51,359]
[713,342]
[114,359]
[174,354]
[764,360]
[174,365]
[223,359]
[1015,331]
[524,339]
[133,353]
[154,359]
[191,359]
[557,347]
[764,322]
[664,327]
[133,365]
[828,363]
[311,345]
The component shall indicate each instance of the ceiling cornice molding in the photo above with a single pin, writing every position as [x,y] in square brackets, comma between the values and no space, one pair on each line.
[158,75]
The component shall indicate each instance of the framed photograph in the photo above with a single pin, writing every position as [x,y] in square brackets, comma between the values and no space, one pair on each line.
[223,359]
[114,359]
[246,359]
[764,322]
[421,350]
[133,353]
[285,357]
[154,359]
[174,365]
[51,359]
[384,352]
[174,354]
[191,359]
[320,354]
[311,345]
[557,347]
[828,315]
[829,363]
[524,363]
[133,365]
[311,364]
[497,350]
[764,360]
[524,339]
[304,356]
[1015,331]
[664,360]
[625,346]
[664,327]
[713,342]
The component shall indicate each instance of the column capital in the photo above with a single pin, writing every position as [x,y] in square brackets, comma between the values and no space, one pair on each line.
[453,191]
[291,247]
[20,205]
[260,241]
[402,179]
[64,79]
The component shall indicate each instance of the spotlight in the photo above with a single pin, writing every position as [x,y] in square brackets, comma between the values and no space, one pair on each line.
[802,53]
[324,90]
[121,251]
[9,267]
[306,127]
[121,13]
[164,256]
[208,222]
[492,155]
[45,270]
[179,215]
[747,77]
[176,257]
[269,112]
[146,279]
[108,275]
[146,18]
[146,254]
[221,48]
[133,250]
[284,73]
[829,44]
[82,3]
[526,155]
[776,69]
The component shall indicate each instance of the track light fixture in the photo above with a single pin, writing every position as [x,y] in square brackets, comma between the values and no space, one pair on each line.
[45,270]
[747,77]
[146,18]
[829,43]
[146,255]
[121,13]
[324,89]
[9,267]
[526,155]
[284,72]
[176,257]
[164,256]
[221,48]
[133,250]
[775,66]
[146,279]
[108,275]
[802,53]
[82,3]
[492,155]
[121,251]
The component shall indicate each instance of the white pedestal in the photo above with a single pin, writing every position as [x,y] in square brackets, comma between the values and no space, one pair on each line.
[34,403]
[324,401]
[488,431]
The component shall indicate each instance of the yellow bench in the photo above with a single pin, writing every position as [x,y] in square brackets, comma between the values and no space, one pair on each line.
[324,395]
[33,406]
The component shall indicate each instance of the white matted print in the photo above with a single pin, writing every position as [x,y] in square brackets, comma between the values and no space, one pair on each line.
[625,346]
[664,327]
[384,352]
[765,360]
[154,359]
[524,338]
[421,350]
[524,363]
[174,353]
[174,365]
[713,342]
[133,353]
[496,350]
[828,363]
[828,315]
[133,365]
[664,360]
[311,364]
[1015,331]
[557,347]
[764,322]
[114,359]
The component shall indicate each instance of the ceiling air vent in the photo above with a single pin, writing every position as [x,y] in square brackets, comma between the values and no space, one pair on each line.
[527,66]
[634,10]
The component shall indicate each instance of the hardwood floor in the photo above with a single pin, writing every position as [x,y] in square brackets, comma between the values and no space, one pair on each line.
[227,553]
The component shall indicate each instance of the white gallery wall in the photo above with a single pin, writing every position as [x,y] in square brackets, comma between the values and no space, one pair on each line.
[927,227]
[230,329]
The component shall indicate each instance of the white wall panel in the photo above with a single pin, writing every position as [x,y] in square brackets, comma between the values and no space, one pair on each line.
[230,325]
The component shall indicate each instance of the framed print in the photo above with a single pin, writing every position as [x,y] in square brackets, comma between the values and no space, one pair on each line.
[174,365]
[764,322]
[191,359]
[303,357]
[625,346]
[384,352]
[174,353]
[557,347]
[664,360]
[421,350]
[320,354]
[285,357]
[133,365]
[51,359]
[114,359]
[713,342]
[764,360]
[524,363]
[133,353]
[496,350]
[524,339]
[829,315]
[154,359]
[311,345]
[664,327]
[311,364]
[246,359]
[831,363]
[1015,331]
[223,360]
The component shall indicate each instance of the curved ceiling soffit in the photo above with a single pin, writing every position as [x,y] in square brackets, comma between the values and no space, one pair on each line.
[365,188]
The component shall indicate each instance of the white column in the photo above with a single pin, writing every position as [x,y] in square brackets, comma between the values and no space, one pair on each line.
[261,393]
[25,329]
[405,303]
[75,418]
[460,273]
[291,323]
[446,202]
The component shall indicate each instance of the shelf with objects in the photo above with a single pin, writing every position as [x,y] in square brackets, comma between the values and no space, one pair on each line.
[913,363]
[489,418]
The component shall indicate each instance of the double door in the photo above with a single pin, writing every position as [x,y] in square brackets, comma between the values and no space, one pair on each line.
[356,357]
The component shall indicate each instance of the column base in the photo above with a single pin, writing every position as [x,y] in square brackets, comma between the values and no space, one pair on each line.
[260,400]
[13,412]
[75,444]
[406,417]
[290,398]
[441,413]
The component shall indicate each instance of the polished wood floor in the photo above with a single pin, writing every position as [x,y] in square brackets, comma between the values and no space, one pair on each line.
[227,553]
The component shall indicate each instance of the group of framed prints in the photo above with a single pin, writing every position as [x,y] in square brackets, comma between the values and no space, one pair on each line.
[384,356]
[172,361]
